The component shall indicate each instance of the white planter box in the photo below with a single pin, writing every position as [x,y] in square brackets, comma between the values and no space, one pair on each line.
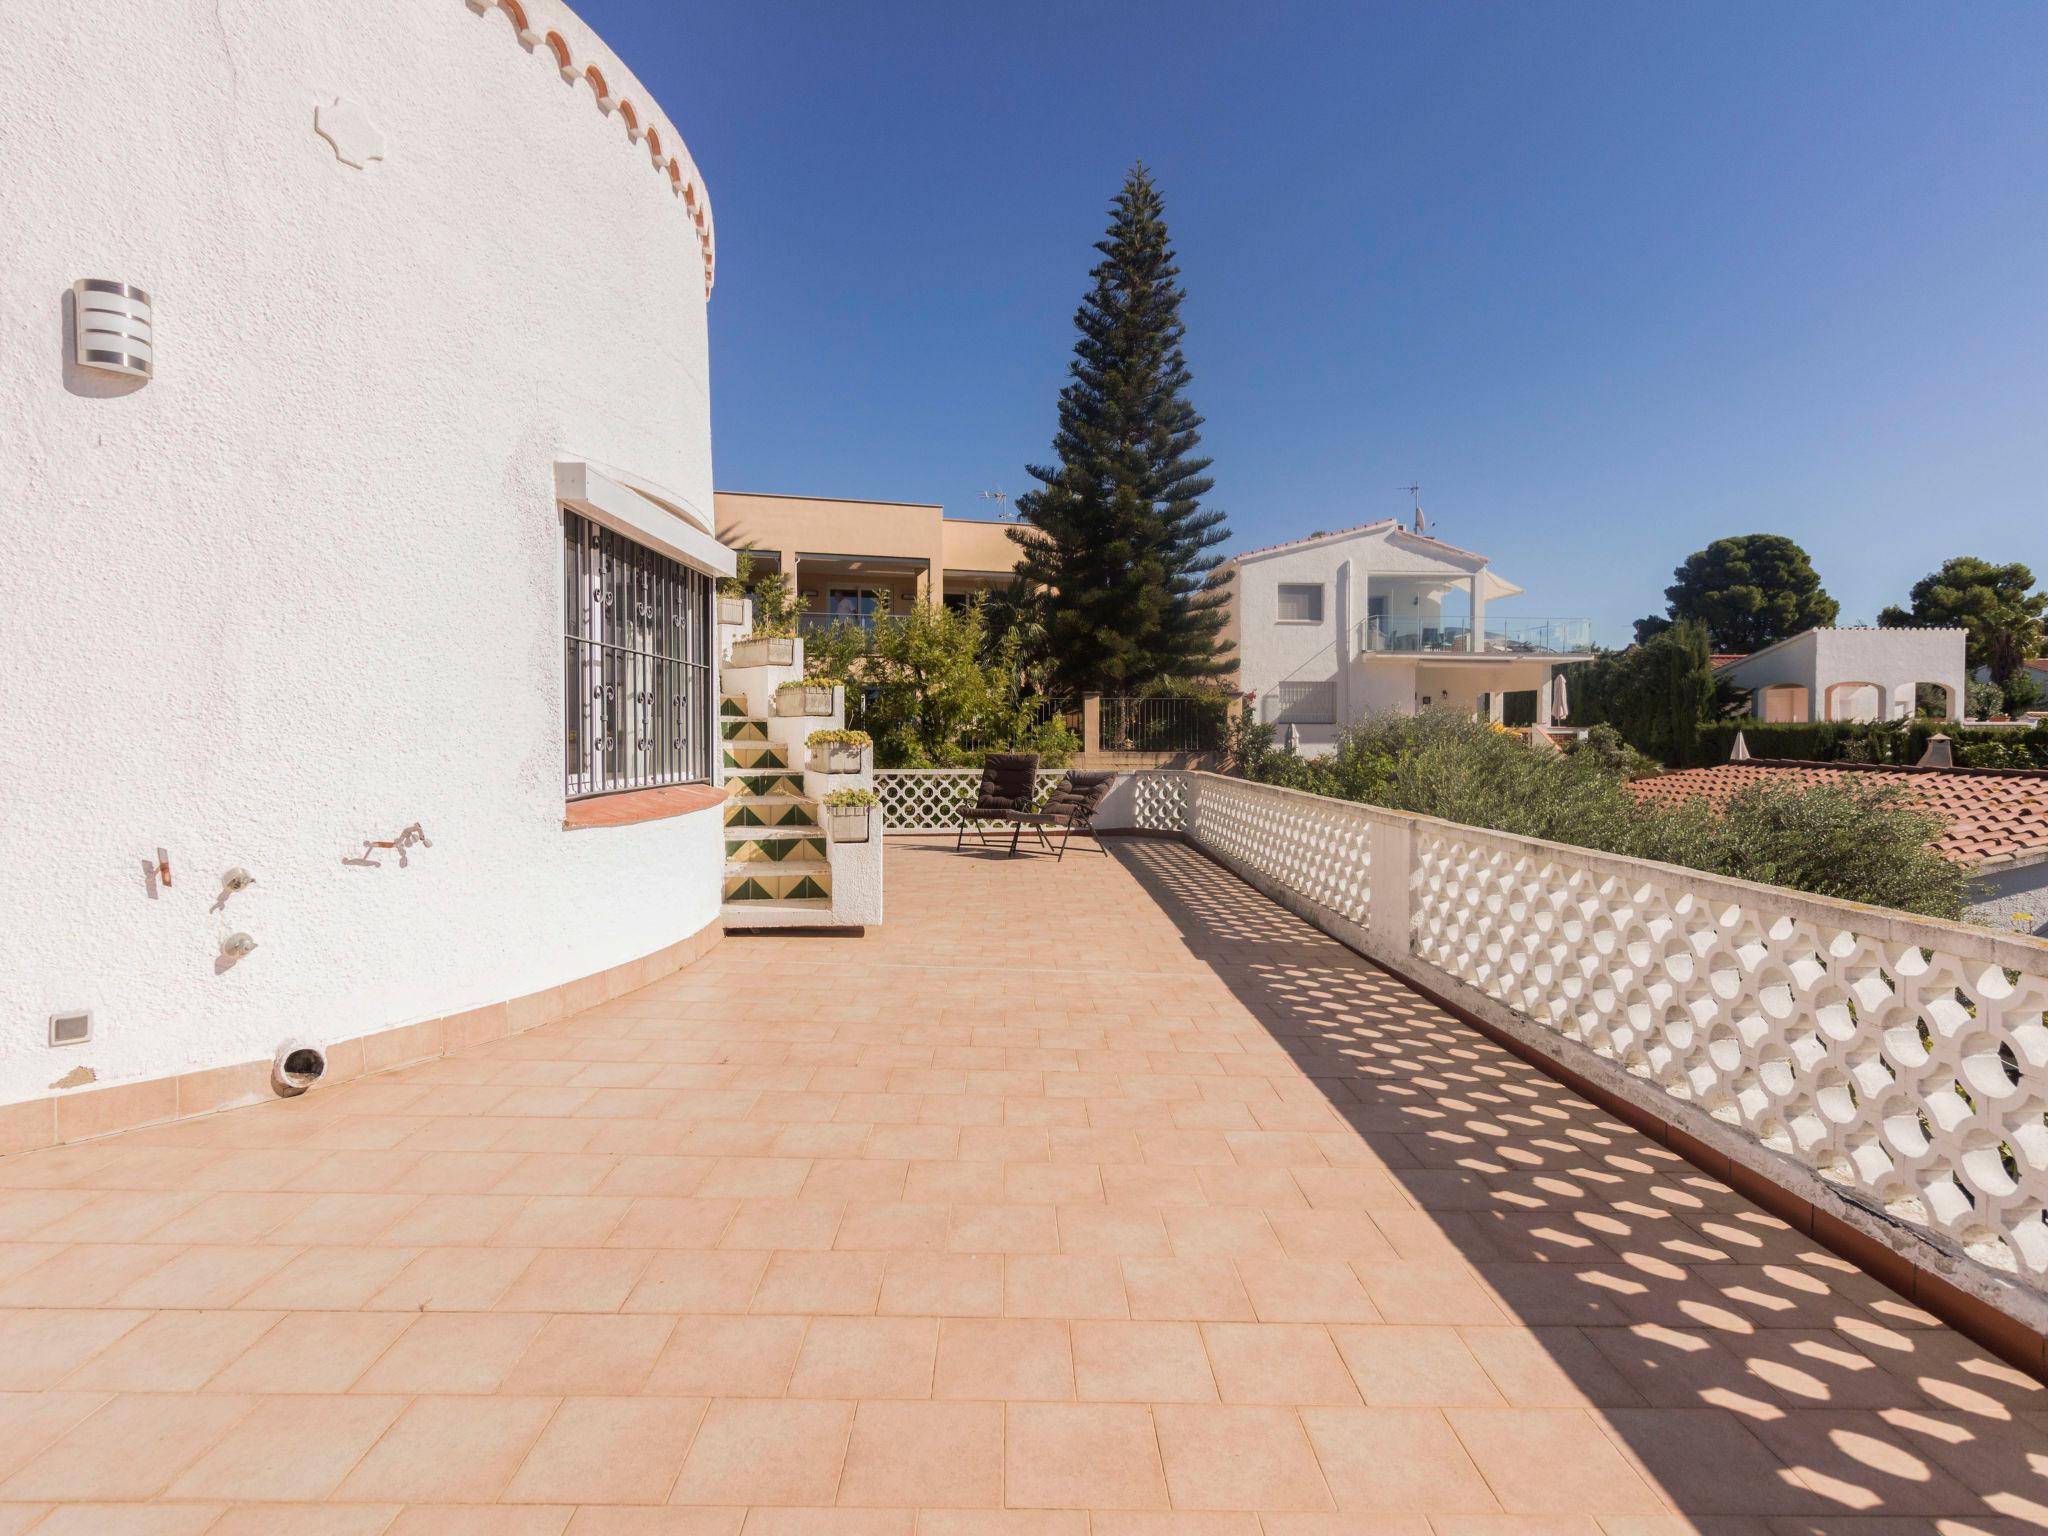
[838,759]
[733,611]
[850,823]
[811,699]
[774,651]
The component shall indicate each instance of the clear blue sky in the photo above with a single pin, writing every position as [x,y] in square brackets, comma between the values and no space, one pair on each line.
[1610,281]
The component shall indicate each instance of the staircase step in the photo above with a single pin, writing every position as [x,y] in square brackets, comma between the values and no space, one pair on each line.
[792,811]
[742,914]
[778,882]
[743,728]
[753,757]
[776,847]
[769,785]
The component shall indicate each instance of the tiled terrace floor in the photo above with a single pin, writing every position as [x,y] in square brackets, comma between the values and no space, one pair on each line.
[1084,1192]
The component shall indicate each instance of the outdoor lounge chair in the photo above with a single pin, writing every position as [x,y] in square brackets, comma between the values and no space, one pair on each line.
[1069,810]
[1009,787]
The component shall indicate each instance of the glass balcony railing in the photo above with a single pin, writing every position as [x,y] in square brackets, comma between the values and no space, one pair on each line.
[1504,637]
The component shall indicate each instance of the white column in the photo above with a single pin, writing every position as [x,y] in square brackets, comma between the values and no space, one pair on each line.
[1543,695]
[1392,867]
[1343,649]
[1478,641]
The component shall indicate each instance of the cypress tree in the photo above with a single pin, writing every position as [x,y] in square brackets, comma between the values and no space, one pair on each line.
[1116,537]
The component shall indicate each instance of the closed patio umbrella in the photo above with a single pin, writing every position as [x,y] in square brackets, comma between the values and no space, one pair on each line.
[1560,698]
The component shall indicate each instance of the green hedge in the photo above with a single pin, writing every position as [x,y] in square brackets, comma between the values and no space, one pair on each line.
[1842,741]
[2002,749]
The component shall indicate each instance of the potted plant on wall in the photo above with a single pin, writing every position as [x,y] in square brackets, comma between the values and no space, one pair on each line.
[839,751]
[850,814]
[732,591]
[771,647]
[807,696]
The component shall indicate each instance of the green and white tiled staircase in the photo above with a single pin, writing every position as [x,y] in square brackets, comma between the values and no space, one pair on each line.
[775,847]
[783,866]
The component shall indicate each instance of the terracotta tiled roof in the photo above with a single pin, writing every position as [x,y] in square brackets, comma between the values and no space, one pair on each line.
[1995,816]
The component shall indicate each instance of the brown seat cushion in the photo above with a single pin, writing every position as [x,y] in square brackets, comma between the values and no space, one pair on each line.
[1009,782]
[1078,795]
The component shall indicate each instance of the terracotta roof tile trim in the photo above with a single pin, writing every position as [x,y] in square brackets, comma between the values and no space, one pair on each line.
[1994,816]
[687,186]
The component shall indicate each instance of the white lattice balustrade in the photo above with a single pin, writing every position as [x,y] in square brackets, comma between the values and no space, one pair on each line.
[1905,1059]
[930,799]
[1315,846]
[1160,802]
[1900,1058]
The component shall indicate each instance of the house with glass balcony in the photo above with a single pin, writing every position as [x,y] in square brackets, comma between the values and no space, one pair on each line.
[1377,618]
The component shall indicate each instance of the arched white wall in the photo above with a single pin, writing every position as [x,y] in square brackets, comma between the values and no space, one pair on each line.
[303,587]
[1853,701]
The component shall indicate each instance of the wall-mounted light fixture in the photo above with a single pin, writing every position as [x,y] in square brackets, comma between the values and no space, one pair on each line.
[115,327]
[71,1028]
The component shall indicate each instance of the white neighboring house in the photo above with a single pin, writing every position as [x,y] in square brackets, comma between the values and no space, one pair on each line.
[1851,674]
[1376,618]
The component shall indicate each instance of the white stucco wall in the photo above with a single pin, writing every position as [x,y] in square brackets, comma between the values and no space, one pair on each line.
[1889,662]
[1382,685]
[1269,651]
[304,587]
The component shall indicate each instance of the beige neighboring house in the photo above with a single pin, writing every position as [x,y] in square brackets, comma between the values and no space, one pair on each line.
[853,558]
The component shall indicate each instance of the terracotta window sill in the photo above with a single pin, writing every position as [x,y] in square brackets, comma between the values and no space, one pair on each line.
[641,805]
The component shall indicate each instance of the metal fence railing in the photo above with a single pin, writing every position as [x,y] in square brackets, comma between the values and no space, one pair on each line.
[869,624]
[1170,724]
[1066,710]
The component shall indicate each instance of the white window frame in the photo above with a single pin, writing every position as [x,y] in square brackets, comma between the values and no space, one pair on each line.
[1322,600]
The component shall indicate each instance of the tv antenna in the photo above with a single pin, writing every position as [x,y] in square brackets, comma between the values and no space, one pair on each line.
[1414,491]
[1001,500]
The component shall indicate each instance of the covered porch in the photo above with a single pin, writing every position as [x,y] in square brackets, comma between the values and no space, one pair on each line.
[1478,686]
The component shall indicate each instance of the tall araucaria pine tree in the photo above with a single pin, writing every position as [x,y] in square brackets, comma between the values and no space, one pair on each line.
[1116,537]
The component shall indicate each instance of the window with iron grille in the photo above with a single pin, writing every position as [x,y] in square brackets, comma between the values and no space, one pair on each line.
[636,644]
[1299,703]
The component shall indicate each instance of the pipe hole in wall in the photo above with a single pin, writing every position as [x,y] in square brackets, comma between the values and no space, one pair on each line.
[297,1067]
